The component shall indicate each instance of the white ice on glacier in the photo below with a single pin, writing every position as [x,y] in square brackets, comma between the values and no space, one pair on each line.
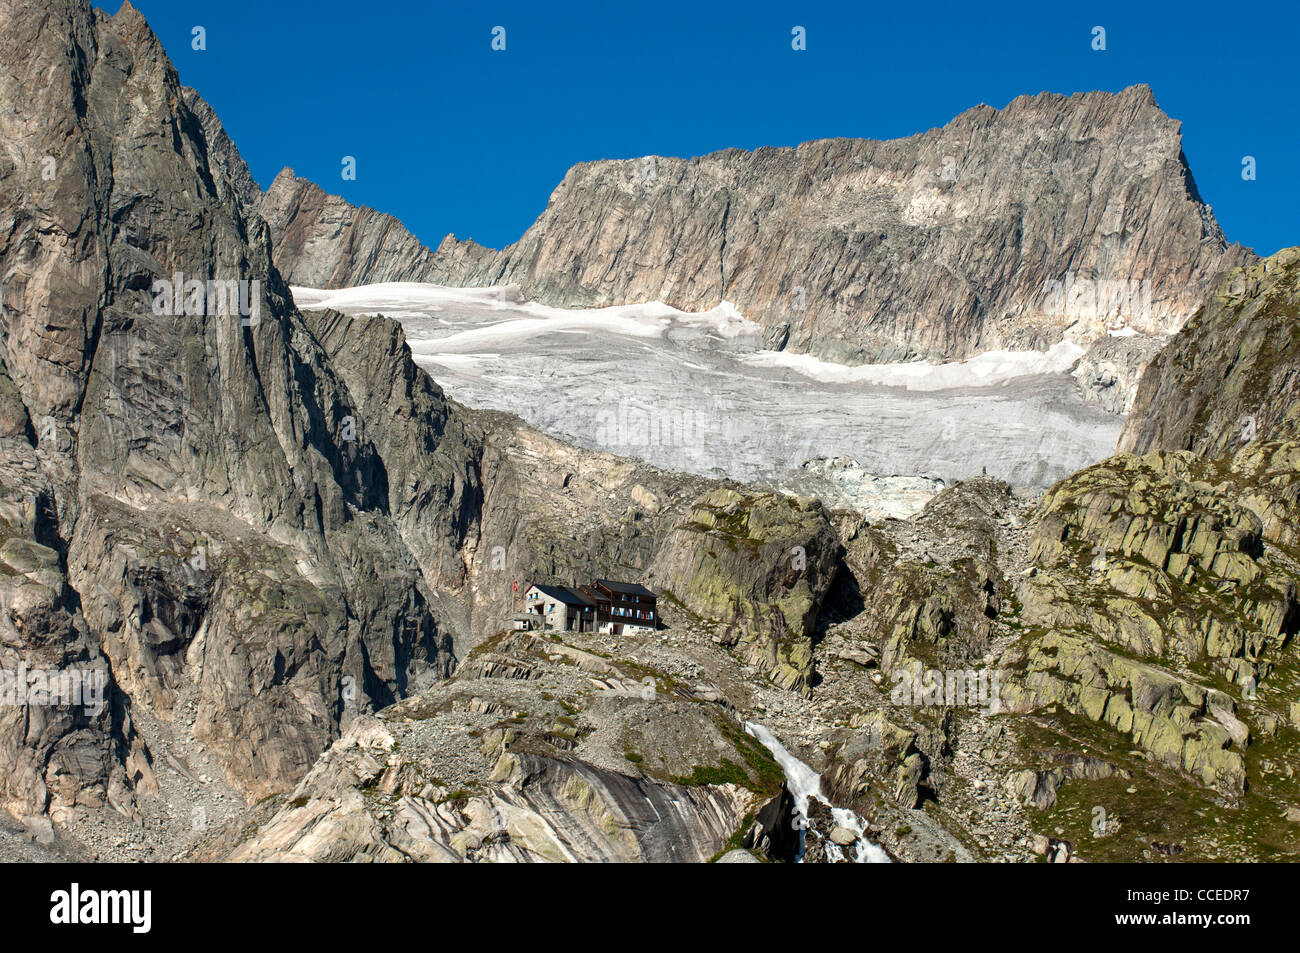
[804,783]
[982,370]
[523,320]
[699,393]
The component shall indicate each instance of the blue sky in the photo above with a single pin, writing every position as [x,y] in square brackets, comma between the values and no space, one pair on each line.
[451,136]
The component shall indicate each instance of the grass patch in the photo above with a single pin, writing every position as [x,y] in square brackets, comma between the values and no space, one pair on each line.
[726,772]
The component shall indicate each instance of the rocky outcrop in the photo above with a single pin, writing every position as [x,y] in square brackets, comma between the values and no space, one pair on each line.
[499,765]
[1039,788]
[879,751]
[67,742]
[223,157]
[930,609]
[1230,378]
[759,567]
[322,241]
[1153,584]
[540,810]
[1110,369]
[1055,216]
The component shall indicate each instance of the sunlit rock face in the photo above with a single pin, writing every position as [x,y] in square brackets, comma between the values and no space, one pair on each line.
[700,393]
[1055,216]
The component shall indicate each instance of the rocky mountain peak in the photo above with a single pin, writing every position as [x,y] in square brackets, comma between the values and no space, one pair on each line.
[223,155]
[1004,229]
[218,542]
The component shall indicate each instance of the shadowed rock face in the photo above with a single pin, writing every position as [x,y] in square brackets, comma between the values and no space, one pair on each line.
[222,534]
[258,524]
[55,758]
[1230,377]
[938,246]
[760,566]
[223,157]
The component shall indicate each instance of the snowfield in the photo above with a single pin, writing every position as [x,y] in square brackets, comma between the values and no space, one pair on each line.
[698,392]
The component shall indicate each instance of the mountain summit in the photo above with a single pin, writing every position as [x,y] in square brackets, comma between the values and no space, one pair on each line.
[1004,229]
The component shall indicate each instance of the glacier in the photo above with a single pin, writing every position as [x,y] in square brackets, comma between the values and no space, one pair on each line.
[698,392]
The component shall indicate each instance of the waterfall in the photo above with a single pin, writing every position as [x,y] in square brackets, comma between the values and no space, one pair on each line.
[804,783]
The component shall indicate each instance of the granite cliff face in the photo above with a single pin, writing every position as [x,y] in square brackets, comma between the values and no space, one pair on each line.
[1230,377]
[325,242]
[223,156]
[1005,229]
[253,526]
[223,536]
